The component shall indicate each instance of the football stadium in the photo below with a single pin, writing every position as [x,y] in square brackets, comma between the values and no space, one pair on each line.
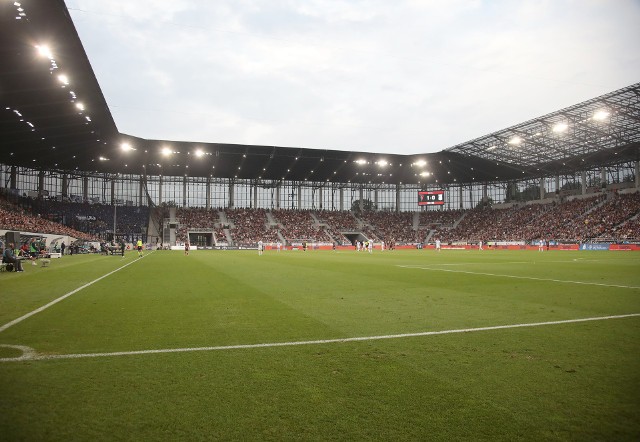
[174,290]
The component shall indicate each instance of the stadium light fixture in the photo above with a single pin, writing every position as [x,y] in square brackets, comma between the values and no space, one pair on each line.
[63,79]
[126,147]
[515,141]
[166,151]
[601,115]
[361,162]
[419,163]
[424,173]
[44,51]
[560,127]
[382,163]
[80,106]
[199,153]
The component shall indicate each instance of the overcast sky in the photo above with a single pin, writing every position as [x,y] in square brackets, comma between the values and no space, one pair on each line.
[389,76]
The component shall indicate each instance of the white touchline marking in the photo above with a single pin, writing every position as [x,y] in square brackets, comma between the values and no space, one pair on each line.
[33,356]
[476,263]
[73,292]
[520,277]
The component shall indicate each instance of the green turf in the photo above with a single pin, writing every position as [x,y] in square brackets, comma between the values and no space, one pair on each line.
[575,381]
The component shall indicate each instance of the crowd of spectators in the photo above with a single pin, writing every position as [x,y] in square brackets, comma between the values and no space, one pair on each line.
[580,219]
[563,221]
[628,231]
[338,220]
[96,219]
[250,226]
[13,217]
[432,219]
[299,225]
[606,216]
[607,220]
[527,223]
[392,226]
[487,224]
[198,217]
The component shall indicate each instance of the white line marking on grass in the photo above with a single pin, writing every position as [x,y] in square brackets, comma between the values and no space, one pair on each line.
[28,353]
[477,263]
[73,292]
[35,357]
[520,277]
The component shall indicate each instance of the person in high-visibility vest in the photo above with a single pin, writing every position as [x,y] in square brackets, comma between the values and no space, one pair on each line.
[139,247]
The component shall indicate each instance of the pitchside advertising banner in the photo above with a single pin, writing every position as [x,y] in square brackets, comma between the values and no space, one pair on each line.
[594,246]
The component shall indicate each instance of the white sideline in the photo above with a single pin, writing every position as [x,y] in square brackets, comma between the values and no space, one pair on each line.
[55,301]
[519,277]
[31,355]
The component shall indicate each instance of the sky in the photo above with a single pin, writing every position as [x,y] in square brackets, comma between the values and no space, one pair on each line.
[401,76]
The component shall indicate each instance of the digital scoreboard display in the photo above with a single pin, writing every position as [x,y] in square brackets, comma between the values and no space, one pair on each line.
[431,197]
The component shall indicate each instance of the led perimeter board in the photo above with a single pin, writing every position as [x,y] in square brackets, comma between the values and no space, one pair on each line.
[431,197]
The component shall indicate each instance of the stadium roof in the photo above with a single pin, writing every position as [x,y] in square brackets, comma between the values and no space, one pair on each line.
[55,117]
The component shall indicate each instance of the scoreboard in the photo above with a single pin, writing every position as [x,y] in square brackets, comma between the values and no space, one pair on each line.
[431,197]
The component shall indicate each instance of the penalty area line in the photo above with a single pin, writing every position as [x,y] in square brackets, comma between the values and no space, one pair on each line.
[532,278]
[33,356]
[65,296]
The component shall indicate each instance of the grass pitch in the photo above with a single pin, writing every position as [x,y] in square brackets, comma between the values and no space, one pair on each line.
[160,349]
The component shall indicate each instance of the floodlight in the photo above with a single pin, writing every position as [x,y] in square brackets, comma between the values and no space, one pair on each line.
[63,79]
[199,153]
[382,163]
[126,147]
[80,106]
[424,173]
[515,140]
[420,163]
[166,151]
[361,161]
[600,115]
[560,127]
[44,51]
